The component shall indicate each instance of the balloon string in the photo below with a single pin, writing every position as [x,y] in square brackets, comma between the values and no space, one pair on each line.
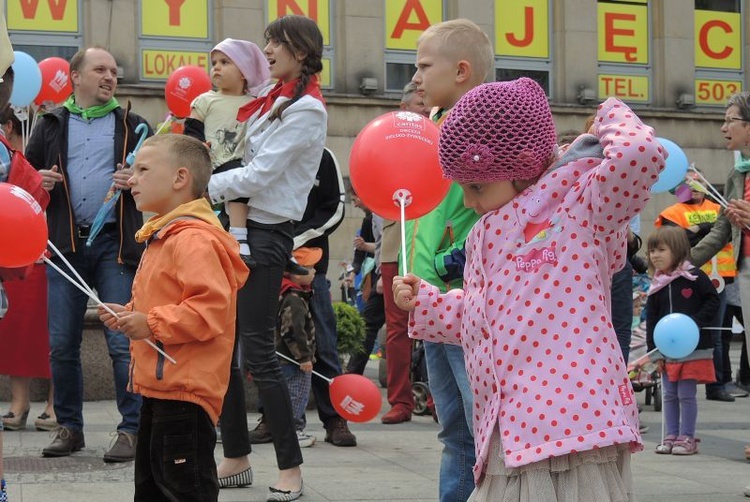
[164,124]
[402,203]
[90,293]
[329,380]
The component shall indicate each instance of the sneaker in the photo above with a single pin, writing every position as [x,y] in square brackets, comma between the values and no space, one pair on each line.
[666,446]
[734,390]
[305,440]
[338,433]
[123,448]
[65,442]
[261,434]
[685,445]
[45,422]
[643,428]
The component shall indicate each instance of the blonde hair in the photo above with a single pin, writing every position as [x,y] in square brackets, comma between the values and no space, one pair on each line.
[185,151]
[673,238]
[463,39]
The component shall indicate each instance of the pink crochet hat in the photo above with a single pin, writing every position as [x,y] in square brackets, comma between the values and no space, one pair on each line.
[250,60]
[498,131]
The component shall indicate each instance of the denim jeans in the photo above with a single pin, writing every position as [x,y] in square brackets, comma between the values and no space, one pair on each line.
[98,266]
[174,458]
[622,308]
[450,390]
[326,338]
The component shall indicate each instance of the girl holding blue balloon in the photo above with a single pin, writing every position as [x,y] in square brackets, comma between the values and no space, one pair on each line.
[678,287]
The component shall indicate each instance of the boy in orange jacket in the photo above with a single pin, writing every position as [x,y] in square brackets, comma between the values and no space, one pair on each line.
[183,300]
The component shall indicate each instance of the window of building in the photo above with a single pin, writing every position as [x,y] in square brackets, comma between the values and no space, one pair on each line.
[522,41]
[399,69]
[44,33]
[719,67]
[624,50]
[718,5]
[540,76]
[169,38]
[405,21]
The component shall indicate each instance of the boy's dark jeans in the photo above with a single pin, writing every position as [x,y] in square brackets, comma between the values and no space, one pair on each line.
[174,458]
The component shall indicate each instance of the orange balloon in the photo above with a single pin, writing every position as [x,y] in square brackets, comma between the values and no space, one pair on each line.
[23,227]
[355,397]
[184,85]
[397,155]
[56,85]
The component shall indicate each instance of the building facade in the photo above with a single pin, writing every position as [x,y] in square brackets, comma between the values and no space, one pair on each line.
[674,61]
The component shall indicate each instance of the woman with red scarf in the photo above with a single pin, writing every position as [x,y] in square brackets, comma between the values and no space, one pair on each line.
[285,137]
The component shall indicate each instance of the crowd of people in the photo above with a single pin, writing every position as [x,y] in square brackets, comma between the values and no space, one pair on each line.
[512,287]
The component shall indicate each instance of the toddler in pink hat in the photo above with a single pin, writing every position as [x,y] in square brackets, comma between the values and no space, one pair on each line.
[239,70]
[554,413]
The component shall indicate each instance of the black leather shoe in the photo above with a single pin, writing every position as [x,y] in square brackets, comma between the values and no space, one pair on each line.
[66,441]
[295,268]
[720,395]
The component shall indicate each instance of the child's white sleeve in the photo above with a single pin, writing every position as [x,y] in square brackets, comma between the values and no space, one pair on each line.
[437,316]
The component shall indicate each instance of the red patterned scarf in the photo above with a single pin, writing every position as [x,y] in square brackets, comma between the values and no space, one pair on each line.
[265,103]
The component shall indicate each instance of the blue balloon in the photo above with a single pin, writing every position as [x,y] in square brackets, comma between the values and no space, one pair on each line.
[676,336]
[675,168]
[27,80]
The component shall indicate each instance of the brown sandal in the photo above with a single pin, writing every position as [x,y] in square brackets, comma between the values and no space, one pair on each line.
[747,452]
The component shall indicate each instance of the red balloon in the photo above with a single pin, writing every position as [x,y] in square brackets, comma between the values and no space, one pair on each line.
[56,86]
[23,227]
[397,154]
[355,397]
[184,85]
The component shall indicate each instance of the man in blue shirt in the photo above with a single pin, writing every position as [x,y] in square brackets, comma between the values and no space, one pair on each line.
[78,150]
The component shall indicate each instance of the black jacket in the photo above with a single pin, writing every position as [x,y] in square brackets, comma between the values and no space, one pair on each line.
[324,211]
[697,299]
[48,146]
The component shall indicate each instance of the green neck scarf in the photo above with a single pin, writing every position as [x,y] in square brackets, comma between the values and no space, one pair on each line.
[92,112]
[742,164]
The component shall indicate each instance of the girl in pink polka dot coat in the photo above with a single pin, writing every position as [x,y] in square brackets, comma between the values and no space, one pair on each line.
[554,413]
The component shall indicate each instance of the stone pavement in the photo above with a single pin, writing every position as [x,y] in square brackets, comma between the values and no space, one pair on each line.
[391,462]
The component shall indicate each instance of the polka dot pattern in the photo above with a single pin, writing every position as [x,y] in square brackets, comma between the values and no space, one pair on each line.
[534,316]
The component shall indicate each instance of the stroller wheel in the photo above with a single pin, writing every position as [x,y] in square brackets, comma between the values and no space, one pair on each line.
[421,392]
[649,393]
